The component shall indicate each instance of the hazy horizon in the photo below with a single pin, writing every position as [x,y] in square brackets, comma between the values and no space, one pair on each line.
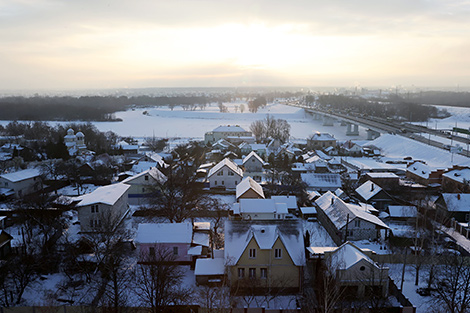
[57,45]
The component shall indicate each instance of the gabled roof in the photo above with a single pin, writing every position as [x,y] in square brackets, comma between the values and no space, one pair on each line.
[5,238]
[337,211]
[458,174]
[347,255]
[382,175]
[106,194]
[153,172]
[457,202]
[226,162]
[368,190]
[21,175]
[210,266]
[164,233]
[247,184]
[238,234]
[322,136]
[255,155]
[420,169]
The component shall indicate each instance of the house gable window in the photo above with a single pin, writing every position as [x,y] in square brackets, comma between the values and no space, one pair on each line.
[220,173]
[94,208]
[230,173]
[146,177]
[278,253]
[357,223]
[252,253]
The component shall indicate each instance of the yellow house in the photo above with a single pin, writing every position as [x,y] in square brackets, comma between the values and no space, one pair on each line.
[264,255]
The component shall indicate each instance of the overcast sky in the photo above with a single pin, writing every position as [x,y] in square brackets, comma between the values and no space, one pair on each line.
[70,44]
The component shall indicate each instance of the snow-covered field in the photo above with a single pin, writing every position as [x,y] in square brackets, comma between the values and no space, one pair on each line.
[164,122]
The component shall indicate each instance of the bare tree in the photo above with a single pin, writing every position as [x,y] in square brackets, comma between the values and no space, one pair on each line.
[452,285]
[258,130]
[158,281]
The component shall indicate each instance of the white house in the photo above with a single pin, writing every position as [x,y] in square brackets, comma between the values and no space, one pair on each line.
[321,181]
[253,163]
[143,184]
[225,174]
[75,143]
[20,183]
[105,207]
[228,132]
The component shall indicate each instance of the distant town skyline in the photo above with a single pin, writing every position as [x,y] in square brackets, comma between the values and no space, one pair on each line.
[52,44]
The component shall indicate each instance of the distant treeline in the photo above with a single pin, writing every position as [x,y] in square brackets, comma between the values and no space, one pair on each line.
[394,107]
[447,98]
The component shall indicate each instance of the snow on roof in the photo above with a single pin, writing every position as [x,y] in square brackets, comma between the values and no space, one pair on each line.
[322,137]
[201,239]
[247,206]
[320,250]
[323,155]
[164,233]
[153,172]
[321,180]
[347,255]
[210,267]
[337,211]
[290,201]
[368,190]
[21,175]
[226,162]
[228,128]
[239,233]
[458,175]
[420,169]
[371,165]
[106,194]
[402,211]
[398,146]
[457,202]
[156,158]
[383,175]
[247,184]
[255,155]
[202,225]
[195,250]
[308,210]
[313,195]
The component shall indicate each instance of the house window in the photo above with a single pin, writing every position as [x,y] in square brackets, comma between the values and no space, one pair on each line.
[357,223]
[222,182]
[252,253]
[175,250]
[220,173]
[252,273]
[143,189]
[94,208]
[91,223]
[277,253]
[152,252]
[215,183]
[230,173]
[467,217]
[264,273]
[253,160]
[241,272]
[6,184]
[350,233]
[146,177]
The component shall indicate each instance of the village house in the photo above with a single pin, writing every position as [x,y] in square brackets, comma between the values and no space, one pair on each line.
[454,205]
[104,208]
[265,254]
[225,174]
[347,221]
[143,185]
[350,148]
[249,189]
[372,193]
[253,163]
[354,270]
[259,148]
[321,141]
[424,174]
[230,133]
[456,180]
[178,242]
[211,271]
[20,183]
[387,181]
